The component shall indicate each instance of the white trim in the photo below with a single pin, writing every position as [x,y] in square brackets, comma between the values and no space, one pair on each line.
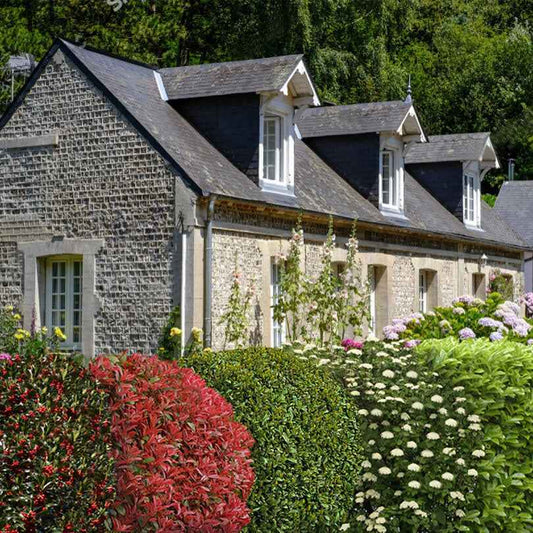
[372,297]
[275,327]
[183,292]
[471,171]
[411,113]
[422,291]
[300,69]
[161,86]
[394,146]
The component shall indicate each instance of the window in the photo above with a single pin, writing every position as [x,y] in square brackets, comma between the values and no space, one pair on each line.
[391,178]
[373,311]
[423,291]
[272,149]
[64,298]
[379,307]
[471,200]
[278,330]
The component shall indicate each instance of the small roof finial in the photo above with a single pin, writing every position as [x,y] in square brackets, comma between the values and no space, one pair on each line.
[408,98]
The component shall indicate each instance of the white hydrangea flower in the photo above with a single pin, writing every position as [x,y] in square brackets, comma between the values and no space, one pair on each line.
[366,464]
[399,475]
[448,476]
[395,388]
[361,518]
[412,445]
[411,374]
[413,467]
[368,476]
[432,416]
[379,528]
[433,436]
[434,484]
[376,412]
[366,366]
[376,456]
[460,513]
[397,493]
[448,451]
[451,422]
[373,426]
[458,389]
[427,453]
[460,461]
[478,453]
[460,400]
[397,452]
[384,471]
[380,386]
[387,435]
[344,527]
[385,423]
[443,411]
[461,411]
[388,374]
[359,500]
[474,427]
[421,513]
[355,393]
[413,484]
[418,406]
[405,416]
[381,520]
[362,412]
[373,494]
[408,505]
[406,427]
[473,418]
[456,495]
[373,515]
[436,399]
[472,472]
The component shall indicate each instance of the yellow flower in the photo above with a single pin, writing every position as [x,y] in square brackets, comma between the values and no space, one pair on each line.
[17,316]
[23,332]
[9,308]
[161,349]
[208,350]
[60,335]
[175,332]
[19,336]
[44,330]
[196,333]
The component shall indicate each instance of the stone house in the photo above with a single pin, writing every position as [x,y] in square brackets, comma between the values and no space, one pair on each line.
[126,190]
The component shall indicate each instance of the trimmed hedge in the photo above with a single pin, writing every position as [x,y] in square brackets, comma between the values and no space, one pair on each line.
[498,382]
[183,462]
[307,455]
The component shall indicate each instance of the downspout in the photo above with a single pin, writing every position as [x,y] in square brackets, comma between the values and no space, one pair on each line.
[183,288]
[208,272]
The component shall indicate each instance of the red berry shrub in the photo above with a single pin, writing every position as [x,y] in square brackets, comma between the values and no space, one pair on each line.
[56,470]
[183,463]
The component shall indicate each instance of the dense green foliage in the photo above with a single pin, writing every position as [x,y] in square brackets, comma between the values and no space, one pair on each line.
[467,318]
[498,385]
[471,60]
[56,473]
[306,456]
[420,442]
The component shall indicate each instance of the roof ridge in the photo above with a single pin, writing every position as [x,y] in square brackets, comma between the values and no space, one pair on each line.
[232,63]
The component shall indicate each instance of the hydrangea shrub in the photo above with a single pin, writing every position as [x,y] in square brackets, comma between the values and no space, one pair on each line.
[307,451]
[467,318]
[422,442]
[56,471]
[183,462]
[498,384]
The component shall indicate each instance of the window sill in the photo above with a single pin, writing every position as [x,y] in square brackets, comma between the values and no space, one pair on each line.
[392,212]
[473,227]
[276,188]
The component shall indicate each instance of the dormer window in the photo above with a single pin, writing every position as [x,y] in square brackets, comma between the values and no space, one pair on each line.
[276,145]
[391,176]
[272,149]
[471,200]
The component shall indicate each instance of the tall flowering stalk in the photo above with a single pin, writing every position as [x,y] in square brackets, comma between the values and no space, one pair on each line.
[236,318]
[291,301]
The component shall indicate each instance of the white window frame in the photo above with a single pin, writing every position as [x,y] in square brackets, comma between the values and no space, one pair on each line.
[471,191]
[68,329]
[373,309]
[280,108]
[423,291]
[278,332]
[393,146]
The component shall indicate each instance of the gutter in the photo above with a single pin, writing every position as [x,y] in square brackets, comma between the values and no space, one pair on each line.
[208,272]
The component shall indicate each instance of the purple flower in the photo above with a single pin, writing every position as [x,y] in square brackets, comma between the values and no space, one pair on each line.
[466,299]
[521,330]
[458,311]
[496,336]
[390,333]
[466,333]
[411,343]
[4,356]
[530,342]
[488,322]
[350,344]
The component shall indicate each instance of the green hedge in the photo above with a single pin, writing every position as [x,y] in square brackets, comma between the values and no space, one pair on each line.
[306,456]
[498,381]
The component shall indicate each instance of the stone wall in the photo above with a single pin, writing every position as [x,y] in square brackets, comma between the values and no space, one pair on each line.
[102,180]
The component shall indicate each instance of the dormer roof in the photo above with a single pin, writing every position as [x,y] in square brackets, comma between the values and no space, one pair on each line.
[286,74]
[454,147]
[376,117]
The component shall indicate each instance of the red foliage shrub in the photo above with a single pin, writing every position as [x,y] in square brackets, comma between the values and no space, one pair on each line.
[183,463]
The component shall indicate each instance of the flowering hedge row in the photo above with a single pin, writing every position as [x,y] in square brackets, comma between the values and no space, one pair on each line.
[467,318]
[422,443]
[183,462]
[307,453]
[55,470]
[498,384]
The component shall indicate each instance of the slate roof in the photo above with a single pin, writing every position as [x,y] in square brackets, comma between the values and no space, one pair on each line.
[454,147]
[233,77]
[352,119]
[515,205]
[133,89]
